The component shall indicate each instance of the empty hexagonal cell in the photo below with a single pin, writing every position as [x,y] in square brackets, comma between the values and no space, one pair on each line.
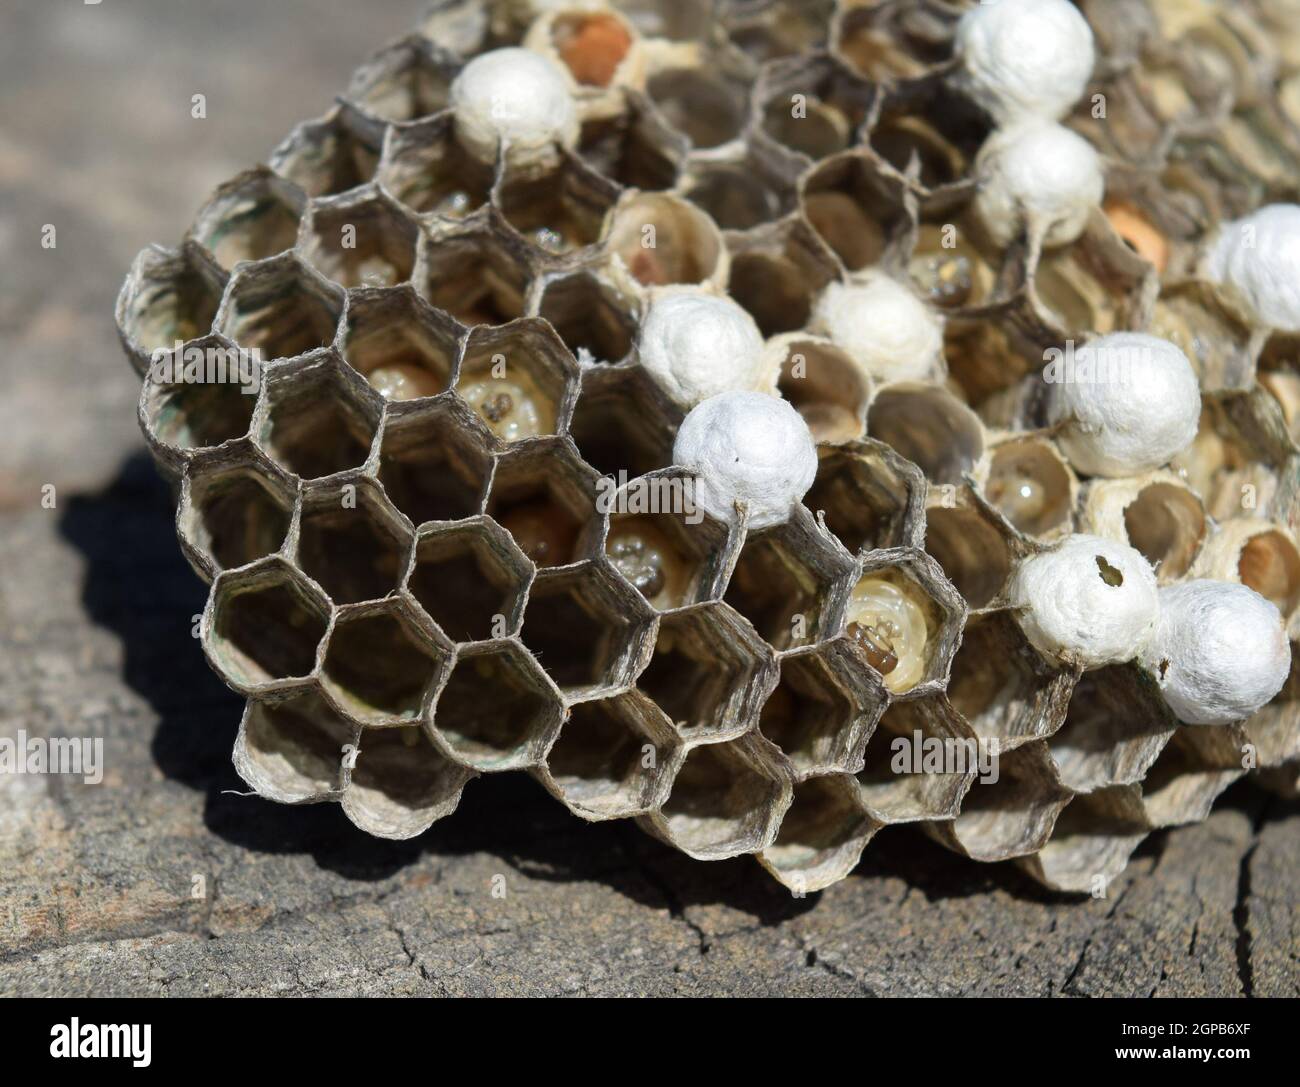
[199,395]
[1258,554]
[361,239]
[705,104]
[1193,770]
[426,168]
[614,758]
[1003,687]
[478,275]
[401,784]
[777,271]
[856,209]
[1279,375]
[905,619]
[351,540]
[823,709]
[986,353]
[1195,316]
[671,558]
[739,194]
[234,509]
[329,155]
[1011,816]
[400,344]
[383,663]
[881,44]
[406,80]
[587,629]
[813,106]
[919,763]
[558,211]
[1158,514]
[623,423]
[676,20]
[869,496]
[169,296]
[293,751]
[935,144]
[250,217]
[972,545]
[545,497]
[280,308]
[773,30]
[1091,843]
[822,835]
[470,577]
[636,148]
[1096,284]
[824,385]
[263,624]
[496,711]
[708,673]
[790,582]
[1116,726]
[433,462]
[930,427]
[662,239]
[1030,484]
[519,379]
[727,799]
[594,321]
[318,419]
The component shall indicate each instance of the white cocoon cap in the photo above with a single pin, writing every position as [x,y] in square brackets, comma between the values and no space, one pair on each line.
[514,97]
[1129,402]
[747,448]
[1259,256]
[1088,603]
[886,328]
[1039,171]
[1220,651]
[1025,57]
[698,345]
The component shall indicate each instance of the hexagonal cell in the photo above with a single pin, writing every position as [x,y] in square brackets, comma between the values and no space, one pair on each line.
[318,418]
[790,582]
[280,308]
[558,211]
[329,155]
[676,20]
[1092,842]
[708,673]
[614,757]
[777,271]
[383,663]
[972,545]
[1211,333]
[1003,687]
[812,105]
[250,217]
[670,558]
[1032,486]
[1116,726]
[708,105]
[823,709]
[1158,514]
[361,239]
[953,264]
[199,395]
[905,618]
[594,46]
[478,275]
[919,763]
[739,194]
[636,148]
[433,462]
[596,323]
[824,385]
[856,209]
[868,495]
[400,344]
[545,497]
[351,540]
[1279,374]
[401,785]
[426,168]
[726,800]
[588,630]
[470,577]
[169,295]
[263,625]
[519,379]
[1261,555]
[1096,284]
[497,711]
[822,835]
[930,427]
[887,43]
[623,423]
[1191,773]
[661,239]
[235,508]
[1011,816]
[293,751]
[406,80]
[770,31]
[914,146]
[987,353]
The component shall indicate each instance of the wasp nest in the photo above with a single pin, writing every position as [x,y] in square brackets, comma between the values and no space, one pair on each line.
[848,250]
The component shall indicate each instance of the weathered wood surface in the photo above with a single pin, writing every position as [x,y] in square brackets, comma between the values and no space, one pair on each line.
[95,612]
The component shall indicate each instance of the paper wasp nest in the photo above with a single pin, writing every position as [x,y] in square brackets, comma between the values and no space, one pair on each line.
[420,571]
